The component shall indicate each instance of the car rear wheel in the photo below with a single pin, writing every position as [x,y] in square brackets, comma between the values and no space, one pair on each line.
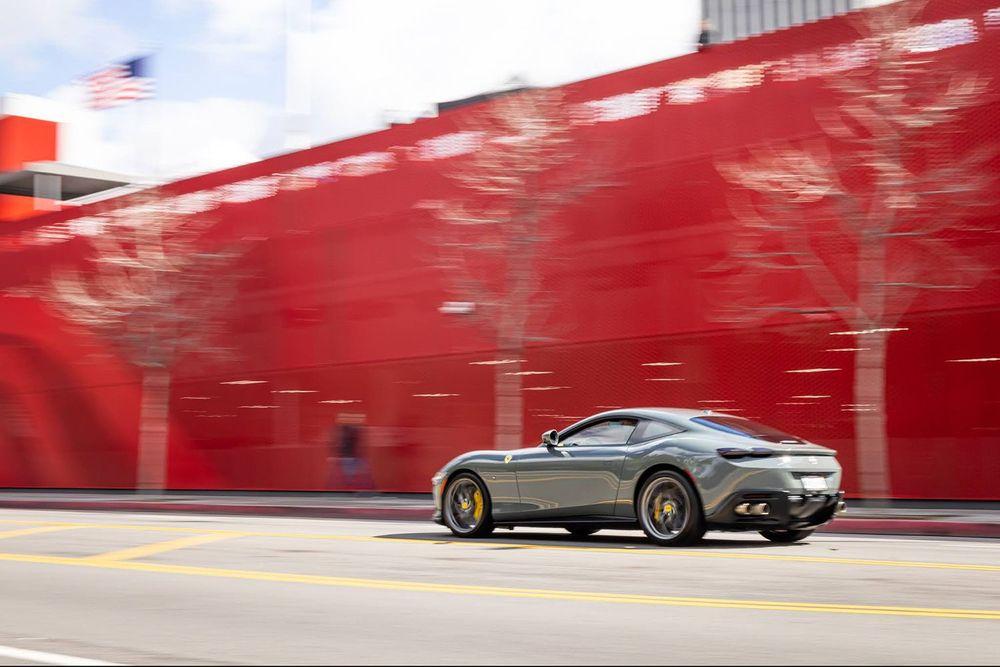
[786,536]
[580,532]
[467,507]
[669,511]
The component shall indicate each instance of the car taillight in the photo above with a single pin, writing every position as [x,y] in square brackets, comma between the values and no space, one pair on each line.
[739,453]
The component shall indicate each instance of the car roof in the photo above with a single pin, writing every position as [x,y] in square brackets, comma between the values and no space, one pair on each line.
[676,414]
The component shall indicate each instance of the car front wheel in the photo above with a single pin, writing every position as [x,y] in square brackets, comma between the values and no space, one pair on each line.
[669,511]
[467,507]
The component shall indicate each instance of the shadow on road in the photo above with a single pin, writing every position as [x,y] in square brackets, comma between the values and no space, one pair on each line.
[504,539]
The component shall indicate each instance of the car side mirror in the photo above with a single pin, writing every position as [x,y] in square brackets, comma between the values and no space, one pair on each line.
[550,438]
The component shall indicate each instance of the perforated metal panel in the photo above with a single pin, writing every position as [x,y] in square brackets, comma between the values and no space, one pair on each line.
[731,20]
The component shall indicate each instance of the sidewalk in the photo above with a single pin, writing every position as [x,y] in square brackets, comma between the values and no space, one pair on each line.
[407,507]
[953,519]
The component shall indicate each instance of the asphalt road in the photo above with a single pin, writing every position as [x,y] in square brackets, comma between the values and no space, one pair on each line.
[134,588]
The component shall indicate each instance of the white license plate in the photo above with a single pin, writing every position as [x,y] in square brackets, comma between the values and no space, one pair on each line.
[814,483]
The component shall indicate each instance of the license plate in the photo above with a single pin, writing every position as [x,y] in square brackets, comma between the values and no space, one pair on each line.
[814,483]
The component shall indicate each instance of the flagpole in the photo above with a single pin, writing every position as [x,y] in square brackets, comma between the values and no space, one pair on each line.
[139,117]
[153,114]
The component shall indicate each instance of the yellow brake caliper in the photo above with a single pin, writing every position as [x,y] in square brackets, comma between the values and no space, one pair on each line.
[477,498]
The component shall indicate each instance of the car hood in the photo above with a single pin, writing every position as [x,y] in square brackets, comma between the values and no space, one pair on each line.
[480,455]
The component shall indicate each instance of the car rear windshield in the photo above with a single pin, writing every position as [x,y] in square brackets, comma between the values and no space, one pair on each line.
[746,428]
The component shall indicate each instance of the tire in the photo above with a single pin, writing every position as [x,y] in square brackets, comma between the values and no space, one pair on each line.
[581,532]
[786,536]
[467,508]
[670,511]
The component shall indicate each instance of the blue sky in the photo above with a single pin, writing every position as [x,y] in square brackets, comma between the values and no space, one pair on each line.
[221,72]
[175,32]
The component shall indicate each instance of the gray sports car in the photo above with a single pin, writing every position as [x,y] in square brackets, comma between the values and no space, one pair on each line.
[674,473]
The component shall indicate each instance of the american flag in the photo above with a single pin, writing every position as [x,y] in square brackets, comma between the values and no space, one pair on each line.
[119,83]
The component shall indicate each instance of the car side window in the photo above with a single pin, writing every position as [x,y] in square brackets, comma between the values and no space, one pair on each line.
[606,432]
[650,430]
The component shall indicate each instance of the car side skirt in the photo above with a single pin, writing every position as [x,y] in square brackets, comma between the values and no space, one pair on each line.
[602,522]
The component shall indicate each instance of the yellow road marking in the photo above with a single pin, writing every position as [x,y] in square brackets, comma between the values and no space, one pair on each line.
[160,547]
[448,539]
[34,531]
[494,591]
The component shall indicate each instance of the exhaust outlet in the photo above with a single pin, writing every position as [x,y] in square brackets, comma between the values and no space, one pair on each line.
[752,509]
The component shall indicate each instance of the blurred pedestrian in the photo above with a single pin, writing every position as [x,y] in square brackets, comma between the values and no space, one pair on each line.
[348,471]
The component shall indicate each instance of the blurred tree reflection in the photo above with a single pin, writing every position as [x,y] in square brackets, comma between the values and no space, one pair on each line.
[151,290]
[528,167]
[874,213]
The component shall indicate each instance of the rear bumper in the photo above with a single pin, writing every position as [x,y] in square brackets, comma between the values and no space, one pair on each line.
[785,510]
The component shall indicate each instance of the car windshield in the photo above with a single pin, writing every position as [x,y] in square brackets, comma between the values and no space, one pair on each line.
[747,428]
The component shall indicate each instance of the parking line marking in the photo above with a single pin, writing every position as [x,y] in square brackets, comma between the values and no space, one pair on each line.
[494,591]
[45,658]
[155,548]
[650,551]
[34,531]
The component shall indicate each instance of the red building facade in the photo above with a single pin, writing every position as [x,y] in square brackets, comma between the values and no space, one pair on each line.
[23,140]
[344,373]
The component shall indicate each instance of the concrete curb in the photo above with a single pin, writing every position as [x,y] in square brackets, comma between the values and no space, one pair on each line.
[305,511]
[873,526]
[916,527]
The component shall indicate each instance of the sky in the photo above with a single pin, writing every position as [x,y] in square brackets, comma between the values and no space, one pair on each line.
[222,79]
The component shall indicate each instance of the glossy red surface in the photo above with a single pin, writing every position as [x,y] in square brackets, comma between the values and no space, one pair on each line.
[341,300]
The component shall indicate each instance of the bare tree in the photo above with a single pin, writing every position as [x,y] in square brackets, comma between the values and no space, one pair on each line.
[870,213]
[153,292]
[528,167]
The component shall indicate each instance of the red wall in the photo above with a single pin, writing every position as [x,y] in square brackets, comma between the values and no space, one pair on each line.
[341,298]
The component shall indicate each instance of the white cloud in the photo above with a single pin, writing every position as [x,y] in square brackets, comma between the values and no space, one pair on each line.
[32,29]
[83,139]
[234,28]
[162,139]
[247,25]
[208,134]
[372,55]
[157,138]
[363,58]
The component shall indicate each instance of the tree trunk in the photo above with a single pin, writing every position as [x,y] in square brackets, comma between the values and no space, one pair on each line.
[870,416]
[508,407]
[153,430]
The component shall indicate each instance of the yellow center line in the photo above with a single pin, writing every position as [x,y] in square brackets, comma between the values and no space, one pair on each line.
[34,531]
[447,539]
[494,591]
[159,547]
